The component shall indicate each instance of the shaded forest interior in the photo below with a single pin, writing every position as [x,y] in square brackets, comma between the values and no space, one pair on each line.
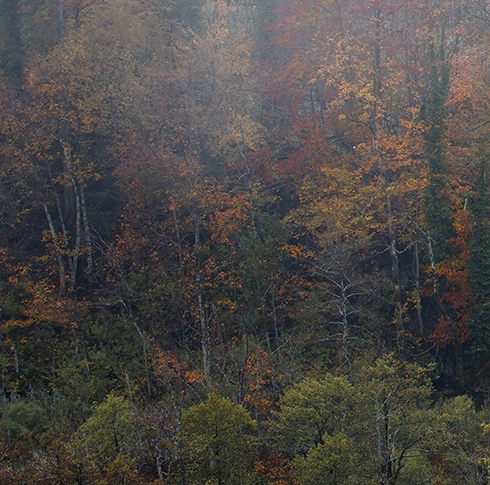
[244,242]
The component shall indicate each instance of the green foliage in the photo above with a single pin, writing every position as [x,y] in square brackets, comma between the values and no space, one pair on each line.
[417,469]
[104,448]
[459,442]
[334,462]
[397,397]
[36,351]
[26,422]
[110,429]
[383,419]
[218,445]
[308,411]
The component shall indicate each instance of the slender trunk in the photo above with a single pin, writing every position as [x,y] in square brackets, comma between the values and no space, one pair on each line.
[86,229]
[78,238]
[420,320]
[205,338]
[243,371]
[64,231]
[130,390]
[253,212]
[312,103]
[179,244]
[379,440]
[274,316]
[54,235]
[78,217]
[395,268]
[62,213]
[203,320]
[345,330]
[385,443]
[16,361]
[143,340]
[159,468]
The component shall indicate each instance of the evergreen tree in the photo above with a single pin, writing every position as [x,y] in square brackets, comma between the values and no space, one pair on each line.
[437,204]
[479,269]
[438,212]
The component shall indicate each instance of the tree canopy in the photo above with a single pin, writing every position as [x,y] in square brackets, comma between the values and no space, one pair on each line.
[244,242]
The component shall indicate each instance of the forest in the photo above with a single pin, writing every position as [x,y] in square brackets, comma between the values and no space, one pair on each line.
[244,242]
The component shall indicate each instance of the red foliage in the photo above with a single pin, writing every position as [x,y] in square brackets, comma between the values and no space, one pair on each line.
[274,467]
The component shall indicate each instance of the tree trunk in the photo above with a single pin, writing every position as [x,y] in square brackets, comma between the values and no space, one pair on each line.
[54,235]
[395,265]
[86,228]
[203,319]
[420,320]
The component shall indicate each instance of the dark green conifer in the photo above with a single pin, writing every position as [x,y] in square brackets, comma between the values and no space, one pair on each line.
[437,210]
[479,267]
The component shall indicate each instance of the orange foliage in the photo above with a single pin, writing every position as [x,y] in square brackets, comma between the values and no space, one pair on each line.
[274,467]
[42,303]
[259,374]
[167,363]
[457,294]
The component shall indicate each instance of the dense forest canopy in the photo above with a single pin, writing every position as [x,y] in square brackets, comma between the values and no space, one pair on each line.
[244,242]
